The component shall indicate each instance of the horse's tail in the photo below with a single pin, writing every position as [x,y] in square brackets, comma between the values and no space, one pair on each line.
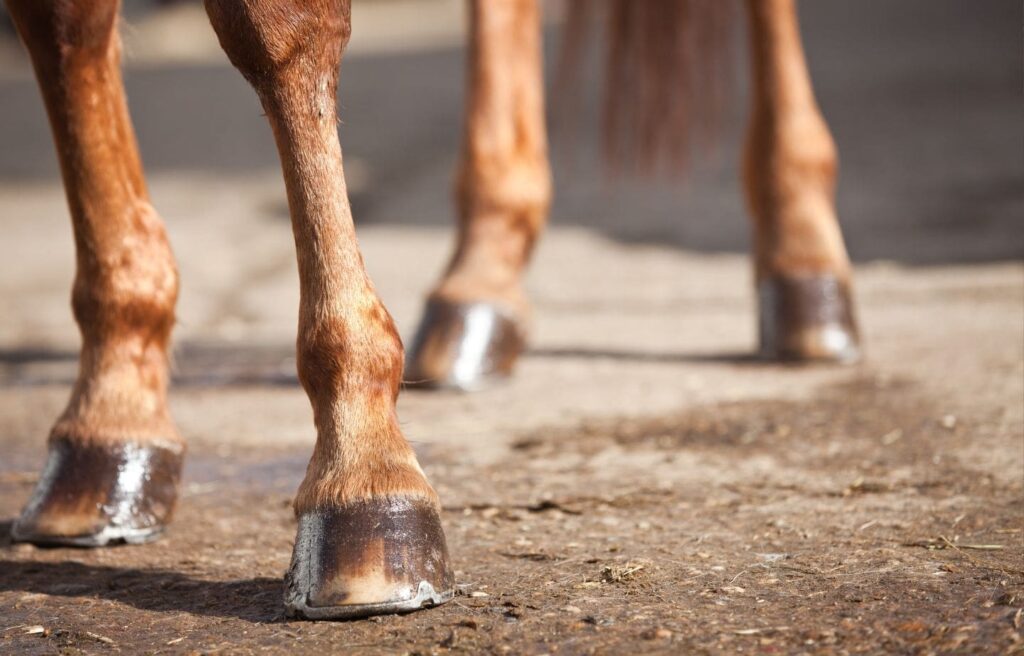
[667,75]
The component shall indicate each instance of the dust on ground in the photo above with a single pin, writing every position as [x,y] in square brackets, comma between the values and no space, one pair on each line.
[862,520]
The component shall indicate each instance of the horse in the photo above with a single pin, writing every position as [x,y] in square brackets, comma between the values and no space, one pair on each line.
[369,537]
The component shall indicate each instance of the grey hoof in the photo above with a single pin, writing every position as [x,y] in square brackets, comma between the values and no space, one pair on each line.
[464,346]
[368,558]
[808,318]
[97,495]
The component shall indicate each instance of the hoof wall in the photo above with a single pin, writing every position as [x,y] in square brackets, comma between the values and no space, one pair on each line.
[808,318]
[464,346]
[368,558]
[97,495]
[426,597]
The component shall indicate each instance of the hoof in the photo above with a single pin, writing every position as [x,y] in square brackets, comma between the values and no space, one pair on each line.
[95,495]
[368,558]
[808,318]
[464,346]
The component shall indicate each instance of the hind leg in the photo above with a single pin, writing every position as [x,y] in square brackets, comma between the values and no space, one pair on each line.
[369,538]
[474,325]
[801,265]
[114,455]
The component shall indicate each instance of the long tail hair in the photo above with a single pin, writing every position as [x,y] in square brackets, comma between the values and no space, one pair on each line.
[668,75]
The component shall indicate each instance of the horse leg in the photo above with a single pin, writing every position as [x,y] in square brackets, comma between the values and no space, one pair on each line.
[473,328]
[114,455]
[801,265]
[369,538]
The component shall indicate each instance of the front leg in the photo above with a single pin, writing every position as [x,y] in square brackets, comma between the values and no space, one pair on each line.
[369,538]
[474,326]
[115,456]
[802,269]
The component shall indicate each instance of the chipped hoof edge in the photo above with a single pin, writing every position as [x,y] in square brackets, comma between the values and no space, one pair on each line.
[367,558]
[807,318]
[464,346]
[97,495]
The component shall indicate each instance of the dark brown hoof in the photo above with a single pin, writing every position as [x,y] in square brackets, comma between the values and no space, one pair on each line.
[464,346]
[368,558]
[95,495]
[808,318]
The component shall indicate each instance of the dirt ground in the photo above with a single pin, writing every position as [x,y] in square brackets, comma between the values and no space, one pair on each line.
[856,521]
[642,486]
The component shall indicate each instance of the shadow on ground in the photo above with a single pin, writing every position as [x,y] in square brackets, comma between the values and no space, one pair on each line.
[274,366]
[253,600]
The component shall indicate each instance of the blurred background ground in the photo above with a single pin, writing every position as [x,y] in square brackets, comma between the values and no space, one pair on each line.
[636,433]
